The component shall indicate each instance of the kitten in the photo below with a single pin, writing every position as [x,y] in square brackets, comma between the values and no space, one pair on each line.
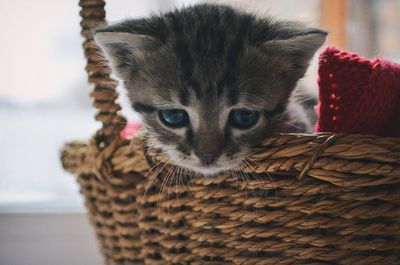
[211,82]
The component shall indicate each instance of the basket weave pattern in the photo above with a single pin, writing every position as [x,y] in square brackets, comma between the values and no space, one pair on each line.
[305,199]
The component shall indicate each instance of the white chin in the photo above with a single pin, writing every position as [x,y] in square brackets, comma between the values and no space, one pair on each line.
[206,170]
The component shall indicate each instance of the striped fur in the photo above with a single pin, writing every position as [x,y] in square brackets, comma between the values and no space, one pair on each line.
[208,60]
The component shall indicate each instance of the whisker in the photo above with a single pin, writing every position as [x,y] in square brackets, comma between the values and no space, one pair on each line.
[273,183]
[255,175]
[188,180]
[241,176]
[247,179]
[159,200]
[232,172]
[164,183]
[177,179]
[269,176]
[151,181]
[170,183]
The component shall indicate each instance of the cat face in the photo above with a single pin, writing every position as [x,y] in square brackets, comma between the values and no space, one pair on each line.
[210,82]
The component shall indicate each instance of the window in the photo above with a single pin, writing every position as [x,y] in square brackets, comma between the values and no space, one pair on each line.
[44,94]
[44,102]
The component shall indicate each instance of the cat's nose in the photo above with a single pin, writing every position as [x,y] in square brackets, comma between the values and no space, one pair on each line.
[207,159]
[208,144]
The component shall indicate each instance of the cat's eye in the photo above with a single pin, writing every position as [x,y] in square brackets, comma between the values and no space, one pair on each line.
[243,118]
[174,118]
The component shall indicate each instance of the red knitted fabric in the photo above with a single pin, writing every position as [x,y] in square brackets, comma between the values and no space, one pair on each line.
[358,95]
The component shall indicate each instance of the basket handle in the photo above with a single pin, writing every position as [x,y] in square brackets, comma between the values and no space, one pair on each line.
[104,92]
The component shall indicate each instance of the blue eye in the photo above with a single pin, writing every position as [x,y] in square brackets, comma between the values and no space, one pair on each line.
[174,118]
[243,118]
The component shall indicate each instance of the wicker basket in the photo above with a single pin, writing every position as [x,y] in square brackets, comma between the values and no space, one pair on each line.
[306,199]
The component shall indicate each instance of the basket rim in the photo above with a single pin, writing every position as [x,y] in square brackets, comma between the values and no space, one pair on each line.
[350,160]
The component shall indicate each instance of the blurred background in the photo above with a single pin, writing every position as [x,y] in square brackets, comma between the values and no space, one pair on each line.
[44,102]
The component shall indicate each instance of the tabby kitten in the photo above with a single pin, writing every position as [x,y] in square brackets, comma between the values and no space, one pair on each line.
[211,82]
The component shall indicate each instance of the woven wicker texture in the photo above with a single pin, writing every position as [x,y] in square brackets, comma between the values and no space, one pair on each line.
[104,93]
[304,199]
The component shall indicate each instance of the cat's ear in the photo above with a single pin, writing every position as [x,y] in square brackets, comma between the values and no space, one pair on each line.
[124,48]
[297,46]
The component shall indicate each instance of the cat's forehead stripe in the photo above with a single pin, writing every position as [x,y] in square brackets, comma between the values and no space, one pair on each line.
[192,45]
[233,53]
[184,97]
[185,60]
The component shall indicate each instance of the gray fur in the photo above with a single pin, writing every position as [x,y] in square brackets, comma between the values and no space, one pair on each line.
[208,60]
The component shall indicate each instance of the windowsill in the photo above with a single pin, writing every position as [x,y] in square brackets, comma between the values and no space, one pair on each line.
[42,207]
[47,239]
